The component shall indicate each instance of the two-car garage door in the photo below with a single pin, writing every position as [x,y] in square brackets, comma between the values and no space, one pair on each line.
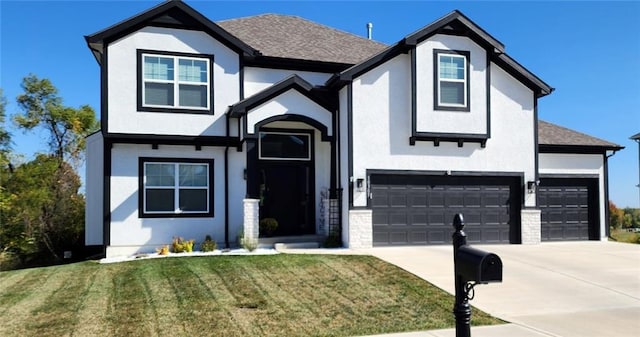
[419,209]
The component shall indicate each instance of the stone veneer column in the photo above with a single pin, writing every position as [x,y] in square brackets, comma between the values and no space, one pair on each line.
[323,228]
[360,228]
[531,223]
[251,219]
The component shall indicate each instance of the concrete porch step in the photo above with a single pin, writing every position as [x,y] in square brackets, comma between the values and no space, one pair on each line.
[296,245]
[298,241]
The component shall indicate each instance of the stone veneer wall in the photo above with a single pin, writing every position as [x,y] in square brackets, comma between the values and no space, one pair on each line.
[531,234]
[360,228]
[251,219]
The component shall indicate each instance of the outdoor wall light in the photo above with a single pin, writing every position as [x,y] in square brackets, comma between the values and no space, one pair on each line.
[360,185]
[531,185]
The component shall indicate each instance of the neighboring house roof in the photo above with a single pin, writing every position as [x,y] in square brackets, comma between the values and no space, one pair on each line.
[555,138]
[452,23]
[286,36]
[172,13]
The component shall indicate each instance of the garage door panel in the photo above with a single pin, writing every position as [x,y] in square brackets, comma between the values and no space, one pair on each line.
[429,205]
[566,209]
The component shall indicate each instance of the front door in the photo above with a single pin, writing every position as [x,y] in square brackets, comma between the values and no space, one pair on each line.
[287,180]
[286,195]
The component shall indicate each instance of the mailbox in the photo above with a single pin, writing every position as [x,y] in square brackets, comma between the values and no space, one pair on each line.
[478,266]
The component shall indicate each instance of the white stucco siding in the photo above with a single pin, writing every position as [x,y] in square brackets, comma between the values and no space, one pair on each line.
[94,190]
[258,79]
[290,102]
[382,127]
[581,165]
[122,84]
[441,121]
[146,234]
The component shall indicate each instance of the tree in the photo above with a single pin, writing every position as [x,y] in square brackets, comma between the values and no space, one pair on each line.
[46,212]
[5,137]
[616,216]
[67,127]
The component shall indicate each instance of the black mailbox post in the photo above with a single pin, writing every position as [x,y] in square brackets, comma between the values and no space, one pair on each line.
[471,266]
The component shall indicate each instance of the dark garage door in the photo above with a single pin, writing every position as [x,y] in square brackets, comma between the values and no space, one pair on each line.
[418,209]
[569,209]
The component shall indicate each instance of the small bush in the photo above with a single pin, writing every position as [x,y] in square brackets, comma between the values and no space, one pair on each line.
[164,250]
[332,241]
[208,245]
[181,245]
[248,244]
[268,226]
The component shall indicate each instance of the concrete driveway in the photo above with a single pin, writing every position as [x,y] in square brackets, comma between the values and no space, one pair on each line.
[556,289]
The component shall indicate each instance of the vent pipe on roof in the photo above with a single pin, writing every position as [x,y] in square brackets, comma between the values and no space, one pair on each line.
[369,28]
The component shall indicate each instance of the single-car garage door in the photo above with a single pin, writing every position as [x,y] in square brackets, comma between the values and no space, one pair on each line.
[569,209]
[419,209]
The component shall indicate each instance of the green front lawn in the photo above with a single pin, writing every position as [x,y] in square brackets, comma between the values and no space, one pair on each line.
[275,295]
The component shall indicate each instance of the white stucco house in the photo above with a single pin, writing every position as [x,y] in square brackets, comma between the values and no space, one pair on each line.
[208,127]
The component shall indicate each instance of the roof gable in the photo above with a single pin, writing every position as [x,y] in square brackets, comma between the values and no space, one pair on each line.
[173,14]
[454,23]
[293,82]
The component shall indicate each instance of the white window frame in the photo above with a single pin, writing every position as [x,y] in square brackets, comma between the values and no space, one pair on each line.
[176,187]
[464,81]
[176,82]
[308,158]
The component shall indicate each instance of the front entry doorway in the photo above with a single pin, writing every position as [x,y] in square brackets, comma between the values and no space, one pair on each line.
[287,180]
[286,195]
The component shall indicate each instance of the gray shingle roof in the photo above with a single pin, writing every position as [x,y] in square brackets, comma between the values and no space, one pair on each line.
[552,134]
[293,37]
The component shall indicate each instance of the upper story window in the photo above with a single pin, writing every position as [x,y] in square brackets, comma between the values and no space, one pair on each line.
[451,80]
[175,82]
[176,187]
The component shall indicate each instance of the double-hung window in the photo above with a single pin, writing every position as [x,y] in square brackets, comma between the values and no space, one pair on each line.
[177,82]
[452,80]
[176,188]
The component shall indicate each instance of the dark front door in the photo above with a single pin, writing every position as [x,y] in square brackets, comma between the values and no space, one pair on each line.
[286,195]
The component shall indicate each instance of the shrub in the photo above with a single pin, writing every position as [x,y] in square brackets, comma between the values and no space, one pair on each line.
[181,245]
[208,245]
[268,226]
[332,241]
[164,250]
[249,244]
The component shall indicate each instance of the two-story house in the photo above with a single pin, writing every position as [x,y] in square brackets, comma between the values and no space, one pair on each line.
[209,127]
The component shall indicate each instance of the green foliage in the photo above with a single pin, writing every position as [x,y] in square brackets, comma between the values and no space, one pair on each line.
[181,245]
[332,241]
[43,212]
[623,218]
[5,137]
[208,245]
[268,226]
[248,244]
[67,127]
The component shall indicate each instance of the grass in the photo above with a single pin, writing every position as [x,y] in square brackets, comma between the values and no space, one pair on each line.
[622,235]
[277,295]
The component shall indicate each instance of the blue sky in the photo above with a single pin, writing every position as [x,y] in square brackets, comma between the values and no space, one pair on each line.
[588,51]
